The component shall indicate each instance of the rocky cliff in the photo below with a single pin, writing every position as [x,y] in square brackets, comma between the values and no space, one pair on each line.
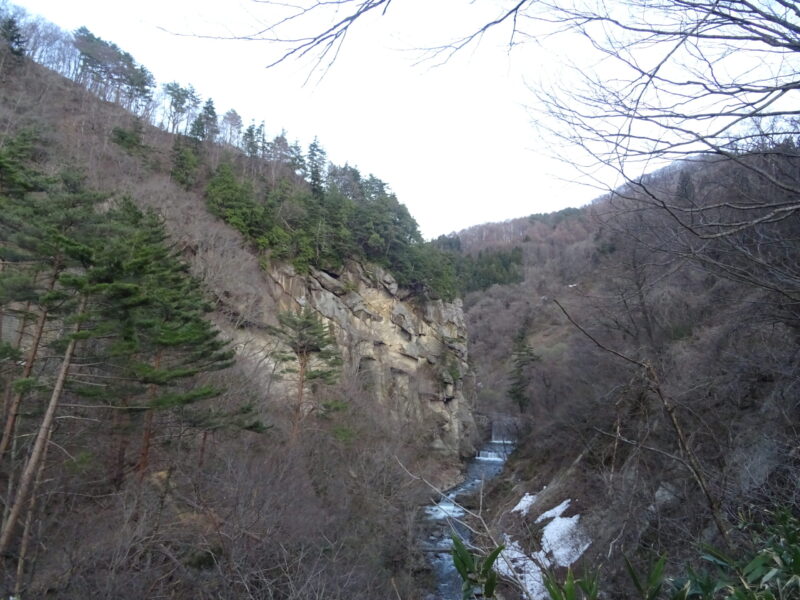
[411,355]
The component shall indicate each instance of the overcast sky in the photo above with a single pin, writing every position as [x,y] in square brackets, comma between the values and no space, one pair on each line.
[455,142]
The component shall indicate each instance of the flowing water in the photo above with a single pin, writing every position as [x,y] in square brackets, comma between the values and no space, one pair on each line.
[443,517]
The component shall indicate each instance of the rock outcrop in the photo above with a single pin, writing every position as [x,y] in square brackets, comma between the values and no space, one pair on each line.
[409,353]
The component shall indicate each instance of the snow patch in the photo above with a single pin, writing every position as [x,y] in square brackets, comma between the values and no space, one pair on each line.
[562,538]
[525,503]
[563,542]
[517,566]
[554,512]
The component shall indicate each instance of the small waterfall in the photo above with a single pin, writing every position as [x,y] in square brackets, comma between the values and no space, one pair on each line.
[490,455]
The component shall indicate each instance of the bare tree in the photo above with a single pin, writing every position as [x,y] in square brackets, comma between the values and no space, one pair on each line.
[703,85]
[670,79]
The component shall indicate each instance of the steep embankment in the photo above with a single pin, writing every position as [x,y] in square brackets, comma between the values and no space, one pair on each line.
[410,351]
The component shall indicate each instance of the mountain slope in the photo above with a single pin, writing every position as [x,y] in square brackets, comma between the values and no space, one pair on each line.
[658,390]
[231,500]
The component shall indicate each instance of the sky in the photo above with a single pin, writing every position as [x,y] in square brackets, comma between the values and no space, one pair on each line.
[456,141]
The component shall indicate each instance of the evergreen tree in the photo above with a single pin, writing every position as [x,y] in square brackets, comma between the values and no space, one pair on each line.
[185,162]
[112,73]
[179,100]
[51,234]
[205,127]
[12,37]
[297,160]
[317,161]
[42,241]
[153,311]
[312,356]
[522,357]
[233,201]
[127,306]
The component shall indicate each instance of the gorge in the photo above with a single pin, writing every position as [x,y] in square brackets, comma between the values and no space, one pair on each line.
[234,369]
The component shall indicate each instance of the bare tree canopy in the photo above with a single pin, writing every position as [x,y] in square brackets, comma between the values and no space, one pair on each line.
[693,74]
[337,17]
[647,83]
[663,80]
[680,77]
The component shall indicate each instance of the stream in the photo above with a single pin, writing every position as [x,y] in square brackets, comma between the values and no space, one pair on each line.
[443,517]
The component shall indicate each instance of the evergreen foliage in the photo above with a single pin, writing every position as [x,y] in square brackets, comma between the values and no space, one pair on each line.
[152,309]
[12,37]
[492,267]
[306,336]
[182,100]
[185,162]
[317,164]
[17,175]
[142,300]
[129,139]
[133,331]
[205,127]
[313,356]
[483,270]
[113,73]
[295,206]
[522,358]
[351,218]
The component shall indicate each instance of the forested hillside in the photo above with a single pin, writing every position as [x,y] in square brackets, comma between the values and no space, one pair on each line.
[229,367]
[654,370]
[169,429]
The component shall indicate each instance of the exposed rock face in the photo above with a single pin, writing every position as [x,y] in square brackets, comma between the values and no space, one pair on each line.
[411,354]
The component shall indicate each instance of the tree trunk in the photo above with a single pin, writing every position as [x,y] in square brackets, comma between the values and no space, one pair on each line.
[26,530]
[121,420]
[8,430]
[147,435]
[202,453]
[692,462]
[42,436]
[301,384]
[2,313]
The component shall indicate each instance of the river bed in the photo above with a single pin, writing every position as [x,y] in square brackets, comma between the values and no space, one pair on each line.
[443,517]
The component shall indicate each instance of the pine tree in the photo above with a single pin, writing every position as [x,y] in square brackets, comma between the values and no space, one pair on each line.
[185,162]
[154,313]
[180,102]
[41,234]
[522,357]
[12,37]
[313,355]
[317,162]
[205,127]
[136,316]
[12,43]
[49,233]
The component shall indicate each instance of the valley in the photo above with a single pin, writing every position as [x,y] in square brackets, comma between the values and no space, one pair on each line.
[234,369]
